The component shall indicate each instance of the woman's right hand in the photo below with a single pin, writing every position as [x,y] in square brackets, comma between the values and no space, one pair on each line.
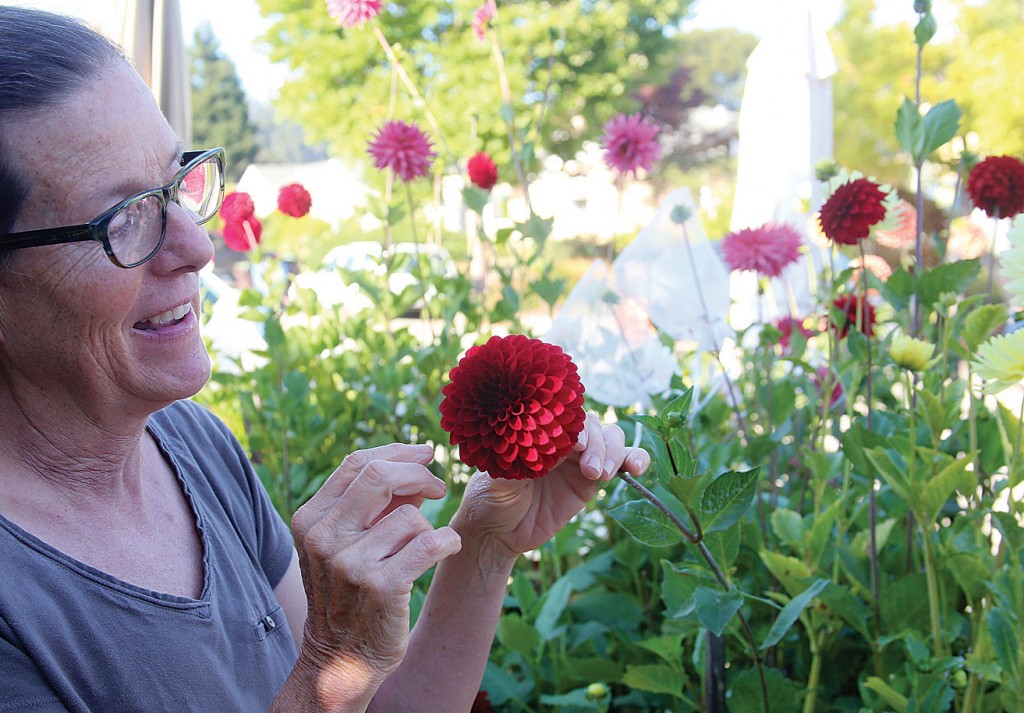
[362,542]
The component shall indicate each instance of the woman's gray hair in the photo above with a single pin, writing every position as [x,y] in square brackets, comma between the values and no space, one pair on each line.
[44,58]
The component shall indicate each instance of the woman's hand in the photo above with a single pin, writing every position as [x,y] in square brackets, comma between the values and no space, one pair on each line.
[362,542]
[513,516]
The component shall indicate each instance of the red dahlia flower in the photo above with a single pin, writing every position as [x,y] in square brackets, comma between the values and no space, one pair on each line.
[482,171]
[482,704]
[403,148]
[294,200]
[243,235]
[766,250]
[996,185]
[786,325]
[849,214]
[848,305]
[353,13]
[514,406]
[237,206]
[629,143]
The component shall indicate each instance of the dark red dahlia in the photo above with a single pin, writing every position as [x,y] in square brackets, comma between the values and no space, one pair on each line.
[482,171]
[514,406]
[996,185]
[850,212]
[786,325]
[294,200]
[848,305]
[482,704]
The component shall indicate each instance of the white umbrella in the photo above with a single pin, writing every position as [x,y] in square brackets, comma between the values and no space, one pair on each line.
[785,127]
[152,34]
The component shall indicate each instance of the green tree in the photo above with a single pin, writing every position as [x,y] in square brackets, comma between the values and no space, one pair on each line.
[717,60]
[571,66]
[220,112]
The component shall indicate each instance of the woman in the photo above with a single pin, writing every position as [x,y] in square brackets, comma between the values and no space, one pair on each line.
[143,568]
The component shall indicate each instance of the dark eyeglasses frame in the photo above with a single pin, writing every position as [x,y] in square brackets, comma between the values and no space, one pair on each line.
[96,229]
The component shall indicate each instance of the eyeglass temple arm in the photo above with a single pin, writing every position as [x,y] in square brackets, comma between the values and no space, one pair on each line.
[48,236]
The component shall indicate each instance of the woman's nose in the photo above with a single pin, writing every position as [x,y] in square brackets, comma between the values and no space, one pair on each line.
[185,243]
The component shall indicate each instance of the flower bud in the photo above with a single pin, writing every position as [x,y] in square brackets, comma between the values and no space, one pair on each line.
[597,690]
[922,6]
[825,169]
[910,353]
[680,214]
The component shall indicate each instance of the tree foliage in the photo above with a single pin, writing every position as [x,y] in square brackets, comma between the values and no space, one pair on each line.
[571,66]
[220,113]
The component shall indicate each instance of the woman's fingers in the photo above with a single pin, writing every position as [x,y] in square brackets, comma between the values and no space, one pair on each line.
[592,447]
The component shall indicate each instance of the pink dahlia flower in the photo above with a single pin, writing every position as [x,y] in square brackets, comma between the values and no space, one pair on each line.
[403,148]
[242,235]
[353,13]
[766,250]
[629,143]
[482,18]
[294,200]
[237,206]
[482,171]
[904,234]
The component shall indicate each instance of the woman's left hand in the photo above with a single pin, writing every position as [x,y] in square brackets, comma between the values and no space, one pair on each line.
[513,516]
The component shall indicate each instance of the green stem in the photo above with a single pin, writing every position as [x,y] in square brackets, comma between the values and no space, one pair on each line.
[814,678]
[933,591]
[862,324]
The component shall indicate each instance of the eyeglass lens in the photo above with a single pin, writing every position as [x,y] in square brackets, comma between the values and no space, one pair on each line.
[135,231]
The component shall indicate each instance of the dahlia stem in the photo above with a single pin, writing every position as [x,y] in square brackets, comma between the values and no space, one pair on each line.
[992,256]
[862,324]
[419,264]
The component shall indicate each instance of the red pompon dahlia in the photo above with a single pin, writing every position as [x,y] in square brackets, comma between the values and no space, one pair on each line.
[294,200]
[481,704]
[514,406]
[629,143]
[237,206]
[849,214]
[353,13]
[848,305]
[786,325]
[403,148]
[243,235]
[482,18]
[766,250]
[482,171]
[996,185]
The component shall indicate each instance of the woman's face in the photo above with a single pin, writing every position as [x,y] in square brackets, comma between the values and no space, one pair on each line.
[72,324]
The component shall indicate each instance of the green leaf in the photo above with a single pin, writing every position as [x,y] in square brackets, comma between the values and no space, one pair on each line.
[895,475]
[940,488]
[678,585]
[549,289]
[655,423]
[948,277]
[655,678]
[724,545]
[474,198]
[791,612]
[790,571]
[716,608]
[726,499]
[554,604]
[895,699]
[981,323]
[646,523]
[518,635]
[668,647]
[924,31]
[1004,639]
[940,125]
[910,128]
[789,527]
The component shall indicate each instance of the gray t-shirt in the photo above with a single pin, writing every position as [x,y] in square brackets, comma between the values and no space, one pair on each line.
[73,638]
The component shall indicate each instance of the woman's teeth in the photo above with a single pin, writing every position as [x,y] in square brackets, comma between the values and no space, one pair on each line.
[171,315]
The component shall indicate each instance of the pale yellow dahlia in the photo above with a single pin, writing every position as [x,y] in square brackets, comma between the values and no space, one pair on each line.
[910,353]
[1012,261]
[1000,362]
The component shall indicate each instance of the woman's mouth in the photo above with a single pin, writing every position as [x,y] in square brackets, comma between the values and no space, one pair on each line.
[171,316]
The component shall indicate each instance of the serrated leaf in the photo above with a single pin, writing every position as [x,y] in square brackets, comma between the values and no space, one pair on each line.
[646,523]
[949,277]
[716,608]
[668,647]
[1004,639]
[981,323]
[726,498]
[791,612]
[655,678]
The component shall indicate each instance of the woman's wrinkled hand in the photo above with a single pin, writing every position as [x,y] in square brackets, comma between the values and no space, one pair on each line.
[513,516]
[362,542]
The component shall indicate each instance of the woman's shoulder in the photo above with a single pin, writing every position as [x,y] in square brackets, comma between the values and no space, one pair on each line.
[190,419]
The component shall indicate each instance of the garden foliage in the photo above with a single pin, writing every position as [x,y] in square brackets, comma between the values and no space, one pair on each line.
[830,524]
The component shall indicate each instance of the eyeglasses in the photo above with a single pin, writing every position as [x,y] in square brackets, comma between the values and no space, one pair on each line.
[133,230]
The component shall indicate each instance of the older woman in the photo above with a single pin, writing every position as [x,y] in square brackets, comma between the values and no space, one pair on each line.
[142,566]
